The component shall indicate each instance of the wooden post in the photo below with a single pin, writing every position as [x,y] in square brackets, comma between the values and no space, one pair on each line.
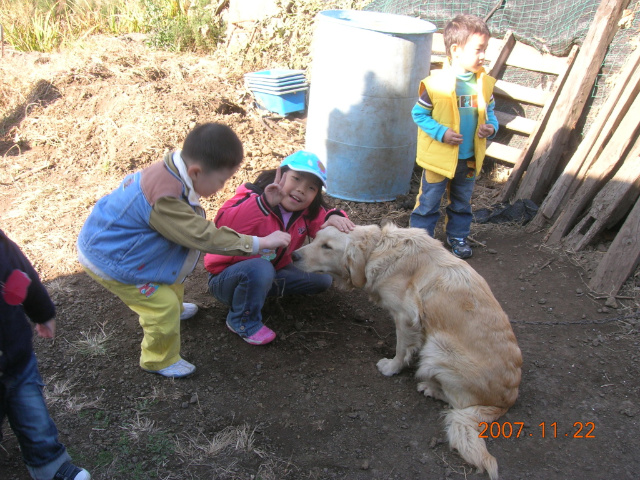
[611,203]
[504,51]
[524,158]
[607,162]
[622,257]
[607,120]
[571,101]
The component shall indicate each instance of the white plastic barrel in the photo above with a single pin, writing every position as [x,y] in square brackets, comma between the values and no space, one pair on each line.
[365,72]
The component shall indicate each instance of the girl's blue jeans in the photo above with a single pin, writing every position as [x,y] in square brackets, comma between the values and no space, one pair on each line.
[22,402]
[459,216]
[244,287]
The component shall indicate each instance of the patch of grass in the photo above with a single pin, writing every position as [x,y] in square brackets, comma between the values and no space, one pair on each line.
[139,427]
[104,458]
[161,446]
[45,25]
[181,26]
[144,405]
[240,438]
[59,393]
[94,344]
[141,440]
[101,419]
[55,391]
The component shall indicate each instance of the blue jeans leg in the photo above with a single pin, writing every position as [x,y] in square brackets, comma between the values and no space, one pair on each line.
[291,280]
[244,286]
[458,209]
[427,210]
[22,402]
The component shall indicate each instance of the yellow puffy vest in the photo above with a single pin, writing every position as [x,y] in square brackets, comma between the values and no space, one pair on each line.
[440,157]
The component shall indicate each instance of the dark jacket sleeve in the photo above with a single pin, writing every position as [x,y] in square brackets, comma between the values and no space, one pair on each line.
[21,292]
[37,304]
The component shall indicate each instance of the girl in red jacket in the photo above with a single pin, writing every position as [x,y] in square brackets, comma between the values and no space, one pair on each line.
[287,199]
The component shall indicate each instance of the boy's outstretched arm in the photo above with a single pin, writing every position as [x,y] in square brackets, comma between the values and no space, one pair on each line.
[176,221]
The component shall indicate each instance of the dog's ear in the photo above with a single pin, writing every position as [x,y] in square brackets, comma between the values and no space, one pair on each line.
[356,263]
[362,241]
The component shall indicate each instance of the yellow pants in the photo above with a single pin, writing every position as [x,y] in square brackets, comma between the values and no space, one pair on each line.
[159,307]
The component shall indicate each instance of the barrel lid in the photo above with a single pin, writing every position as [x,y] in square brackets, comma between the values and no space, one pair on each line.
[379,22]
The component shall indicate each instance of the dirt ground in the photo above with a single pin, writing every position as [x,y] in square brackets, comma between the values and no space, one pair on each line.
[312,404]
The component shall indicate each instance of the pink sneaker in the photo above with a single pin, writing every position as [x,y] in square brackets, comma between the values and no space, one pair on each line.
[261,337]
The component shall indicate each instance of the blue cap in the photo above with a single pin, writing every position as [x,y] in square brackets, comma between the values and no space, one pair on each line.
[306,162]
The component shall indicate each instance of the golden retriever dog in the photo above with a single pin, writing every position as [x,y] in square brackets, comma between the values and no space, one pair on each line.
[443,309]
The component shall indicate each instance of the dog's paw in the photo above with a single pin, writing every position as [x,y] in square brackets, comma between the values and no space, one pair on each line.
[425,387]
[389,366]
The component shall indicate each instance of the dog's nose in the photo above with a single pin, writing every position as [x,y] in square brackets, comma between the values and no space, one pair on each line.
[295,256]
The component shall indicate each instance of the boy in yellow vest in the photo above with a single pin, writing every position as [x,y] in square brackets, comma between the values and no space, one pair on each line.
[455,117]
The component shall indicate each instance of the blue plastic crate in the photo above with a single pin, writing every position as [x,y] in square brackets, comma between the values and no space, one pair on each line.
[294,82]
[275,75]
[281,103]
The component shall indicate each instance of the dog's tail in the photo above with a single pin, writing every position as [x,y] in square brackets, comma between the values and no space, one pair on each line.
[463,433]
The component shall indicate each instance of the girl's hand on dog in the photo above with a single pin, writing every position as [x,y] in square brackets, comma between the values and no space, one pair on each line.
[274,192]
[341,223]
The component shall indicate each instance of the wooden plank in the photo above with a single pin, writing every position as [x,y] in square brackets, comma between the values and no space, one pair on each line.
[437,62]
[522,56]
[606,121]
[509,187]
[498,63]
[515,123]
[521,93]
[609,206]
[528,58]
[437,47]
[504,153]
[600,171]
[621,259]
[571,100]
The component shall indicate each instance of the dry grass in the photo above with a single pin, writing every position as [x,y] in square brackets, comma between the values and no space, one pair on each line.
[283,39]
[139,427]
[94,344]
[232,438]
[59,393]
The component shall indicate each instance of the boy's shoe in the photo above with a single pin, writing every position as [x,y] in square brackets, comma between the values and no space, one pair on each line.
[459,247]
[189,310]
[180,369]
[68,471]
[261,337]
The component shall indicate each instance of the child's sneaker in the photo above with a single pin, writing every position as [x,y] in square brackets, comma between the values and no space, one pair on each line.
[68,471]
[188,311]
[261,337]
[180,369]
[459,247]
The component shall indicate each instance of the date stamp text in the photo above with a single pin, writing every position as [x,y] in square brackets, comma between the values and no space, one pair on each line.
[544,430]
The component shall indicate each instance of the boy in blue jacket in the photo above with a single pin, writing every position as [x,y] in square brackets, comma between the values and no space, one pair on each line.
[22,294]
[143,239]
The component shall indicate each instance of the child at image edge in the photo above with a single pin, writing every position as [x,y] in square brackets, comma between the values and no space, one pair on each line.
[288,199]
[21,400]
[455,116]
[142,240]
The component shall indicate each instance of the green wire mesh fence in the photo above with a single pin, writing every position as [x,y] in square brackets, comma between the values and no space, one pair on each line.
[552,26]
